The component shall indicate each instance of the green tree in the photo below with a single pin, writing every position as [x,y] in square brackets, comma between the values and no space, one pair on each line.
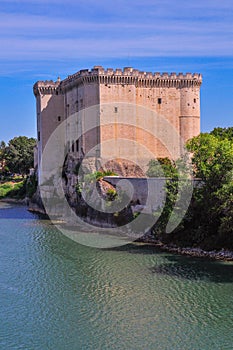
[223,133]
[20,154]
[2,150]
[212,212]
[3,167]
[174,172]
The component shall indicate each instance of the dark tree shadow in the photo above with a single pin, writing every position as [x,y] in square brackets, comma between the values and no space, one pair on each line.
[195,269]
[184,267]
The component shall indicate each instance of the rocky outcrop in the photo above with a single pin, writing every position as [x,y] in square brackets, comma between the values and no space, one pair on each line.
[124,168]
[35,203]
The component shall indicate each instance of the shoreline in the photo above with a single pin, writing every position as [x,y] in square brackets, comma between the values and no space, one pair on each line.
[15,201]
[217,255]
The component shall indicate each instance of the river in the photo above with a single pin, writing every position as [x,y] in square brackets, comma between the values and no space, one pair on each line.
[60,295]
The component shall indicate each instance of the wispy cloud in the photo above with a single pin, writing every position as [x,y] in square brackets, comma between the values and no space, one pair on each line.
[15,24]
[152,29]
[40,49]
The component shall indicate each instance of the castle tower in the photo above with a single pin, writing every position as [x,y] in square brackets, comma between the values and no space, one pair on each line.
[50,113]
[171,97]
[189,106]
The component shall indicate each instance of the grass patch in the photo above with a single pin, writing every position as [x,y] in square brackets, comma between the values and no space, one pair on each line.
[12,189]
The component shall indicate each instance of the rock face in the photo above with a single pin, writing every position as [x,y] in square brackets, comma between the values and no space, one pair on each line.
[35,203]
[124,168]
[98,203]
[106,203]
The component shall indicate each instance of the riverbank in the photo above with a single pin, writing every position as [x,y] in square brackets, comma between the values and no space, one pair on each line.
[23,201]
[223,254]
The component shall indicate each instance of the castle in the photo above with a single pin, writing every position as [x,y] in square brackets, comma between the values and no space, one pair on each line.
[173,97]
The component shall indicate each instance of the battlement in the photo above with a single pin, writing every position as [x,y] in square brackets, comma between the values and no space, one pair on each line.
[46,87]
[125,76]
[130,76]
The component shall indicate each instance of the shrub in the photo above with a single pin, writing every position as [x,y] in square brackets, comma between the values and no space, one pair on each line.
[31,185]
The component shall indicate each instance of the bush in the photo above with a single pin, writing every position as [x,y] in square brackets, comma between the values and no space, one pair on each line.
[98,175]
[31,185]
[111,194]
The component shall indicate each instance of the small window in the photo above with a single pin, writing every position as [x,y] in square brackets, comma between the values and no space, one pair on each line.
[72,148]
[67,110]
[77,145]
[38,135]
[59,118]
[159,100]
[115,109]
[194,100]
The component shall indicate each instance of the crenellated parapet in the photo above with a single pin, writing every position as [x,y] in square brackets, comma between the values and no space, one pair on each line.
[126,76]
[130,76]
[47,87]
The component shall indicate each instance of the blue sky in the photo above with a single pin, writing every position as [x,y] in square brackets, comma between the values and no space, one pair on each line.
[41,39]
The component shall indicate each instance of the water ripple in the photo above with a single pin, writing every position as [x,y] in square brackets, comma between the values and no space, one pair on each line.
[60,295]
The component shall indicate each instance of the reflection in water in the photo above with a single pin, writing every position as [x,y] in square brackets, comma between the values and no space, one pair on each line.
[57,294]
[196,269]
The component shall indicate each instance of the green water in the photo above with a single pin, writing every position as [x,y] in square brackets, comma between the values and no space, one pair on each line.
[57,294]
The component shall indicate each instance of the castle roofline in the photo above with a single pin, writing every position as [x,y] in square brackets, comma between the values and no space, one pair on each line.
[131,72]
[127,75]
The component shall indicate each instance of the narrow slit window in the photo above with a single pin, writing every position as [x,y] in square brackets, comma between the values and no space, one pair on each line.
[194,100]
[159,100]
[67,110]
[59,118]
[115,109]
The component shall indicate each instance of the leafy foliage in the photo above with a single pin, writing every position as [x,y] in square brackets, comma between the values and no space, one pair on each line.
[19,154]
[111,194]
[98,175]
[211,213]
[209,219]
[161,167]
[223,133]
[31,185]
[12,189]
